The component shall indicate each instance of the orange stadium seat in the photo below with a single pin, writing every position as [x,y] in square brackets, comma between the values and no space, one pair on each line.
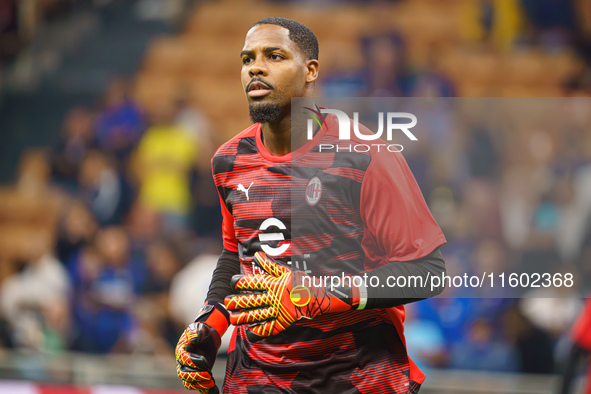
[509,90]
[423,22]
[524,68]
[474,66]
[151,89]
[22,242]
[475,89]
[213,19]
[561,66]
[211,58]
[189,55]
[344,55]
[165,54]
[16,208]
[219,98]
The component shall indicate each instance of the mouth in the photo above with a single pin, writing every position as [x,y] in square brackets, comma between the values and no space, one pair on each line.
[257,89]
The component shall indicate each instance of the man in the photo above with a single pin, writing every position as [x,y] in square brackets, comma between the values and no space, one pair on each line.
[292,214]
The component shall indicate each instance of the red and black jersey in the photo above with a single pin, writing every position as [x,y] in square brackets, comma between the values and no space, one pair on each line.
[326,212]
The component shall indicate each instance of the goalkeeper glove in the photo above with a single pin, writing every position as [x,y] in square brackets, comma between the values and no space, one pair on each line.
[276,300]
[197,348]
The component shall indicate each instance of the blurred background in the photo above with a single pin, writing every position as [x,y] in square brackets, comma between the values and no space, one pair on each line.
[110,111]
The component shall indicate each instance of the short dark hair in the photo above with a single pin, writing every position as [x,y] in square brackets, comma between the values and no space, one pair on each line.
[298,33]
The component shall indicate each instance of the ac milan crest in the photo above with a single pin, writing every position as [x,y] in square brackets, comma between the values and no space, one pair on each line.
[313,191]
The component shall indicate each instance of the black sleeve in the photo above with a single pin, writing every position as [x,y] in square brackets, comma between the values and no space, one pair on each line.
[570,368]
[415,271]
[228,265]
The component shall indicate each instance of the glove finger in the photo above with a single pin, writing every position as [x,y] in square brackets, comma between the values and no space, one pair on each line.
[186,374]
[261,330]
[269,327]
[202,390]
[251,316]
[191,386]
[270,265]
[184,358]
[249,282]
[252,337]
[198,362]
[246,301]
[196,374]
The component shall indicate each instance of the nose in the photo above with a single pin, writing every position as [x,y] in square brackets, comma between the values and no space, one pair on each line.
[257,68]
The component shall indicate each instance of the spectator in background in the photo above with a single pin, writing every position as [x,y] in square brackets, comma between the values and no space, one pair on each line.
[427,81]
[156,331]
[192,283]
[424,341]
[500,23]
[534,347]
[143,227]
[553,21]
[104,188]
[77,138]
[481,350]
[120,124]
[76,229]
[35,296]
[105,286]
[385,74]
[84,269]
[10,38]
[163,163]
[196,124]
[6,341]
[163,263]
[190,119]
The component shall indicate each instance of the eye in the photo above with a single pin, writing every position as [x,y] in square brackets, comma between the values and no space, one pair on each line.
[246,60]
[275,56]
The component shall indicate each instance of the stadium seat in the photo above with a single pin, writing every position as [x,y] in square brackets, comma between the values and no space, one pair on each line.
[165,54]
[152,89]
[220,99]
[214,20]
[471,66]
[24,243]
[16,208]
[524,68]
[342,55]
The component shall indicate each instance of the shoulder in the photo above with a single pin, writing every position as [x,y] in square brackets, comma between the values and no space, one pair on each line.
[356,149]
[231,147]
[223,158]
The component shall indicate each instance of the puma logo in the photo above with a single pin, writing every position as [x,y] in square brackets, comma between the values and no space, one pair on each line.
[241,188]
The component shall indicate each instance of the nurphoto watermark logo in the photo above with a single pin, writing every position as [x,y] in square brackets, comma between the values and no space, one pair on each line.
[344,122]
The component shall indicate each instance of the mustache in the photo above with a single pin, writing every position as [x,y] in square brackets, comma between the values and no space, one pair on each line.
[258,79]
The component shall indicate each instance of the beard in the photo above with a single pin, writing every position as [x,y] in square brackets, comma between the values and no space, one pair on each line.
[264,112]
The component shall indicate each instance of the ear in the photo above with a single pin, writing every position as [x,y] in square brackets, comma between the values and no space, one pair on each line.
[311,70]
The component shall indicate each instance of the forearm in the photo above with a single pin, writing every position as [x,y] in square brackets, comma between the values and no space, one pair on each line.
[228,265]
[213,313]
[571,367]
[385,295]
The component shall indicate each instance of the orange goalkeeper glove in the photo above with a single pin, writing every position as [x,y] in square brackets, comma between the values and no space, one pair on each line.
[197,348]
[275,301]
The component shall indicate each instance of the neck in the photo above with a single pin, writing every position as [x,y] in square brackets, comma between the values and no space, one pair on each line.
[277,136]
[286,135]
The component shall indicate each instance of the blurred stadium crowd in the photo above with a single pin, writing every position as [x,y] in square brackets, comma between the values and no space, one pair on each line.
[108,239]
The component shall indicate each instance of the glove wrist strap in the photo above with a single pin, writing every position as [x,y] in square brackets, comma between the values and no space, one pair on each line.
[354,296]
[215,315]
